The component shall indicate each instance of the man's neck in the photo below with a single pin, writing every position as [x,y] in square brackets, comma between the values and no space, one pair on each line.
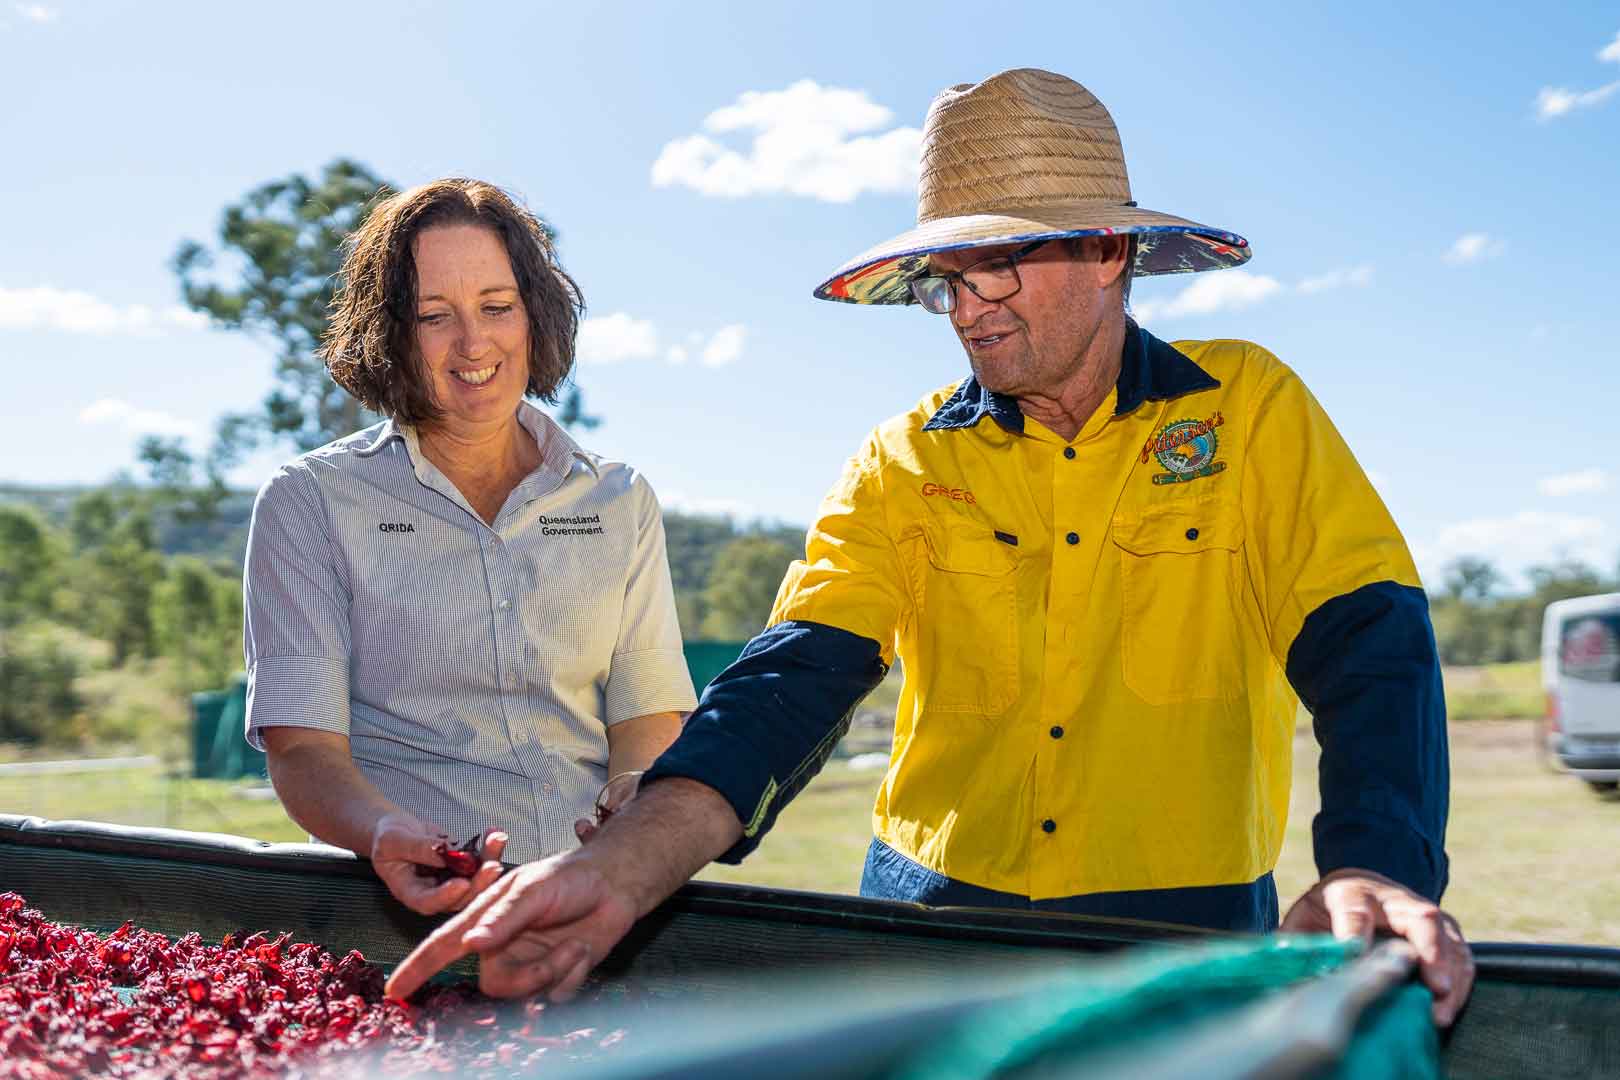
[1066,408]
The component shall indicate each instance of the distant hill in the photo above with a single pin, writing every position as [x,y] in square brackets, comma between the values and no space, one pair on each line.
[694,542]
[221,540]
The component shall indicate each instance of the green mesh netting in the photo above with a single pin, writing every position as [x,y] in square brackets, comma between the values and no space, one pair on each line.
[1201,1006]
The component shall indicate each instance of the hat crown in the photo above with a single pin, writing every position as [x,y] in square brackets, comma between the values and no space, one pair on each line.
[1018,141]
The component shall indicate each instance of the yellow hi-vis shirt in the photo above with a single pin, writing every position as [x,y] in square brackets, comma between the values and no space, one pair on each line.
[1094,632]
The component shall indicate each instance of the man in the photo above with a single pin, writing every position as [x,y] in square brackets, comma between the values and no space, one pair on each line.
[1108,564]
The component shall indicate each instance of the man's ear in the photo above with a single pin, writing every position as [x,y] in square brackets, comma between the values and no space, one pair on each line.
[1104,256]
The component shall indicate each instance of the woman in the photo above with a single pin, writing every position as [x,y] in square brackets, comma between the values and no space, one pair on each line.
[456,619]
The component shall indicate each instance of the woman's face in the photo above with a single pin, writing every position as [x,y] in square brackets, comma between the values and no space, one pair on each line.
[471,327]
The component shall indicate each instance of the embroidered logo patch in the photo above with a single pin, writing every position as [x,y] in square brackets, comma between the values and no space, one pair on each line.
[571,525]
[1187,449]
[955,494]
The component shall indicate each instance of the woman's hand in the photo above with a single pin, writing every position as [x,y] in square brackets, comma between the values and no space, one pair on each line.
[614,794]
[401,845]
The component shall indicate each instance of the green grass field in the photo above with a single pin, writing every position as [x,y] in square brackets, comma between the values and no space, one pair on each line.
[1529,847]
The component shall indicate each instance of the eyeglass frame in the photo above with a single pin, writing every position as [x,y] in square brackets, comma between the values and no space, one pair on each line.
[953,277]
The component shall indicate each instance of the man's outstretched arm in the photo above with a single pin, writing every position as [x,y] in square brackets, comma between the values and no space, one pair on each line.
[542,927]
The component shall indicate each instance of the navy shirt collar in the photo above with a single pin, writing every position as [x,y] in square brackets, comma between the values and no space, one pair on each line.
[1149,370]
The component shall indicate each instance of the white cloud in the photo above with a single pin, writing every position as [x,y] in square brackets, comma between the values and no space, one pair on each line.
[726,345]
[1527,538]
[1225,291]
[74,312]
[1555,101]
[37,13]
[1611,51]
[1356,276]
[616,337]
[807,140]
[1583,482]
[1472,247]
[136,421]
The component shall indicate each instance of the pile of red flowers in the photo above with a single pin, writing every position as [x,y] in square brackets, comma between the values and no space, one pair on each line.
[133,1003]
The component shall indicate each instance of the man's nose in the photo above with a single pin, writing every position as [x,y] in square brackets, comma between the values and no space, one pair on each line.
[969,306]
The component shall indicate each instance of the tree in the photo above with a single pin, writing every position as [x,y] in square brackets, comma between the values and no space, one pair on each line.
[742,587]
[1471,579]
[198,624]
[28,566]
[37,692]
[288,236]
[116,569]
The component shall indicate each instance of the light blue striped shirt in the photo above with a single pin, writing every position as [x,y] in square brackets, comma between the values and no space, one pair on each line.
[475,669]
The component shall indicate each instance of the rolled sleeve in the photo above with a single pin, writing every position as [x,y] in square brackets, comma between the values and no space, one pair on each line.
[652,681]
[297,691]
[295,632]
[647,673]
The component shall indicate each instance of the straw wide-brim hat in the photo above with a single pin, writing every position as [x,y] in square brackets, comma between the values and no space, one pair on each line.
[1025,155]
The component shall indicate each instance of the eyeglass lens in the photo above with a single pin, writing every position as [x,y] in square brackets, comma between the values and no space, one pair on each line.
[991,280]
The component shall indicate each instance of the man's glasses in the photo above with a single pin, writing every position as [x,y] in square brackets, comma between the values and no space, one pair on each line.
[991,280]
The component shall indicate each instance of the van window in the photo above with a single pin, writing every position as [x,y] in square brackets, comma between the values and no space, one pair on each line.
[1589,649]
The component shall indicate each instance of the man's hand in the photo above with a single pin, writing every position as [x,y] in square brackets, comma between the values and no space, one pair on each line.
[401,843]
[543,927]
[540,928]
[1354,903]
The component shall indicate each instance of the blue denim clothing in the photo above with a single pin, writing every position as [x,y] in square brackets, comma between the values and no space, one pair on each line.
[1252,908]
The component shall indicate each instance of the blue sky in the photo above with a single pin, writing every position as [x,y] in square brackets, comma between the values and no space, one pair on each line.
[1431,197]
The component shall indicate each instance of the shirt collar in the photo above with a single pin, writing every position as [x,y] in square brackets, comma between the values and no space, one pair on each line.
[557,447]
[1149,370]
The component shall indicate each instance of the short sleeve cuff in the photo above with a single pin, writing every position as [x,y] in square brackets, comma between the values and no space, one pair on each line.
[649,681]
[297,691]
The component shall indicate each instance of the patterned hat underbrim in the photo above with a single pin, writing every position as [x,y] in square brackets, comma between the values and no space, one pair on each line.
[1161,249]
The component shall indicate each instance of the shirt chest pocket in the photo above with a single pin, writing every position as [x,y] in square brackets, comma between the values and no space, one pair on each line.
[1181,580]
[967,623]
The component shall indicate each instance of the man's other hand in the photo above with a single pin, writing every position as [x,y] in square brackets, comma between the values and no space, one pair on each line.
[1353,903]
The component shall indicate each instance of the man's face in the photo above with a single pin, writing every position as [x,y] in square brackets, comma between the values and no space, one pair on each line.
[1033,342]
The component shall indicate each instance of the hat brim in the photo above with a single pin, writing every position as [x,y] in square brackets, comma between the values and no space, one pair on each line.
[1168,245]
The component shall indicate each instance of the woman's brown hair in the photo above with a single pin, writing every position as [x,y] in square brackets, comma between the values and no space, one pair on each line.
[370,343]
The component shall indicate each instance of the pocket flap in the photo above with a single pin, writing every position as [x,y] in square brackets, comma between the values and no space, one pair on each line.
[1181,529]
[967,548]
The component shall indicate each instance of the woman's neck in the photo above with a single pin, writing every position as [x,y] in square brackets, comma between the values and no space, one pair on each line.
[484,463]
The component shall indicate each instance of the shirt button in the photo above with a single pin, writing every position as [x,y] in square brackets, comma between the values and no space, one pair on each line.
[1192,534]
[1057,731]
[505,605]
[1068,452]
[1049,826]
[1073,538]
[547,788]
[512,679]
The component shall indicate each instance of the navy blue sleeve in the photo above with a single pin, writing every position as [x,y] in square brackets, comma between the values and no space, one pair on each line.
[1366,666]
[767,724]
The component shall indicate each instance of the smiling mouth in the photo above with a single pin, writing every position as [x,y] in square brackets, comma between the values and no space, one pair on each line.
[985,341]
[477,376]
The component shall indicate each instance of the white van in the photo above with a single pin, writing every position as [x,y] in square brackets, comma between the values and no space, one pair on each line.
[1580,670]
